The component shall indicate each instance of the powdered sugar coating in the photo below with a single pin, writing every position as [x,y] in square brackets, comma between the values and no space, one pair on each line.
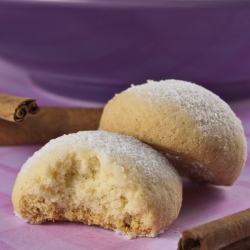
[113,146]
[205,107]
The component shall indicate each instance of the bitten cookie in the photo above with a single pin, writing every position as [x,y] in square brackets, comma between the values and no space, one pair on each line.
[100,178]
[197,130]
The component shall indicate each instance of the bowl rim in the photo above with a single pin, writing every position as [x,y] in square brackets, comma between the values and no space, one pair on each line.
[132,3]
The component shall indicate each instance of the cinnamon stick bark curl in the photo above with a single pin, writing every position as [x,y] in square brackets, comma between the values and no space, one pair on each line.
[230,232]
[16,109]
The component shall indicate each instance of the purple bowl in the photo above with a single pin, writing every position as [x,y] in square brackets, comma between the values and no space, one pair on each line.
[96,48]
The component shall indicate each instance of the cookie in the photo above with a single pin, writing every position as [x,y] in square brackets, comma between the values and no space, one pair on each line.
[198,132]
[99,178]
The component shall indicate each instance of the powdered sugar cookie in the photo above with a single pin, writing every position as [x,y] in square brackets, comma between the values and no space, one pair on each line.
[197,130]
[101,178]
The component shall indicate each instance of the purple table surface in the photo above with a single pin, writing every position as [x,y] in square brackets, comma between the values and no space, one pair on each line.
[200,203]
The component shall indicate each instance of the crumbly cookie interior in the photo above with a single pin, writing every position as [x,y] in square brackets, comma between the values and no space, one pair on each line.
[81,191]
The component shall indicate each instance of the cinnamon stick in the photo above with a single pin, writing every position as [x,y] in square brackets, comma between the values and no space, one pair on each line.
[16,109]
[229,233]
[48,124]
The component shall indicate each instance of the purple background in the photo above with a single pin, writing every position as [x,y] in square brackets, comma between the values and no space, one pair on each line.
[94,49]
